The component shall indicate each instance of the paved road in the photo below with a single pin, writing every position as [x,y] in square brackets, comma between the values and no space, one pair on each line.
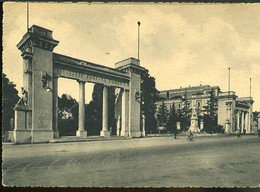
[159,161]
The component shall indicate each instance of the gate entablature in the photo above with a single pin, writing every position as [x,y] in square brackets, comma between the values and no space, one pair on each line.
[72,68]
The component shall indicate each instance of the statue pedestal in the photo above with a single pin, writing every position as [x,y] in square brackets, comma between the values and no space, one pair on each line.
[194,126]
[227,126]
[22,124]
[178,124]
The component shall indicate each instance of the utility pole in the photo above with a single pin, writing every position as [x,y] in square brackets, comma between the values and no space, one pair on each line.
[138,38]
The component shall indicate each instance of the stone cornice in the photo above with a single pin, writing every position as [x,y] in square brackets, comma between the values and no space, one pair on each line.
[26,55]
[34,40]
[132,68]
[242,105]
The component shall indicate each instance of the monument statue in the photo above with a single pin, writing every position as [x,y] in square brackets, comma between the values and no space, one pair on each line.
[194,127]
[194,112]
[24,99]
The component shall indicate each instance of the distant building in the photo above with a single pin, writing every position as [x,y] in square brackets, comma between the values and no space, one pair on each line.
[256,121]
[233,113]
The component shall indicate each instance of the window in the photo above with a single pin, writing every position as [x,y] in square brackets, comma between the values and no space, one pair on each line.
[198,104]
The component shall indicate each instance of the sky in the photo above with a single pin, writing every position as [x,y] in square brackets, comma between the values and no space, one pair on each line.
[180,44]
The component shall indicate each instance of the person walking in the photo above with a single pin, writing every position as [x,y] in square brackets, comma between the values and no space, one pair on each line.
[175,133]
[239,134]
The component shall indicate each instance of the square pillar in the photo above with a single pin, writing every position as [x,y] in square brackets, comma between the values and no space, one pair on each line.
[55,108]
[134,106]
[37,47]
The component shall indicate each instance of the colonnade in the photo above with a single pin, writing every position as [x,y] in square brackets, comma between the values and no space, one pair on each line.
[81,132]
[242,121]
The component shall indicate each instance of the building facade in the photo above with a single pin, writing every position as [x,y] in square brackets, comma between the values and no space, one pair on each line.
[233,113]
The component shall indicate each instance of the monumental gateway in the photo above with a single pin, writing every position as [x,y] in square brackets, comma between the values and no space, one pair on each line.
[36,116]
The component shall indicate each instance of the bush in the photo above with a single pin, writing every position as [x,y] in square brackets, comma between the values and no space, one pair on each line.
[218,129]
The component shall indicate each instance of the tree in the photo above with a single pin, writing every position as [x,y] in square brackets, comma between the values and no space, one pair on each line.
[185,113]
[68,115]
[93,118]
[67,107]
[162,116]
[94,110]
[171,124]
[149,97]
[210,114]
[9,99]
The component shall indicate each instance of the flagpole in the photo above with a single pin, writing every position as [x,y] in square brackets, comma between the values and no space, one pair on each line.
[27,16]
[228,82]
[250,88]
[138,38]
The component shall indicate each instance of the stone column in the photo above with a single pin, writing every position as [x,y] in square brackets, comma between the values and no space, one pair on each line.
[118,126]
[242,121]
[55,108]
[228,127]
[143,125]
[125,113]
[105,132]
[246,122]
[201,124]
[81,128]
[238,121]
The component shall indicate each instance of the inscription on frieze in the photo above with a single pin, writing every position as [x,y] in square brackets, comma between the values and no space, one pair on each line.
[91,78]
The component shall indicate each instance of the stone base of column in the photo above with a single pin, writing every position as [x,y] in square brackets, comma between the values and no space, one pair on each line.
[80,133]
[118,132]
[135,133]
[143,133]
[56,134]
[124,133]
[105,133]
